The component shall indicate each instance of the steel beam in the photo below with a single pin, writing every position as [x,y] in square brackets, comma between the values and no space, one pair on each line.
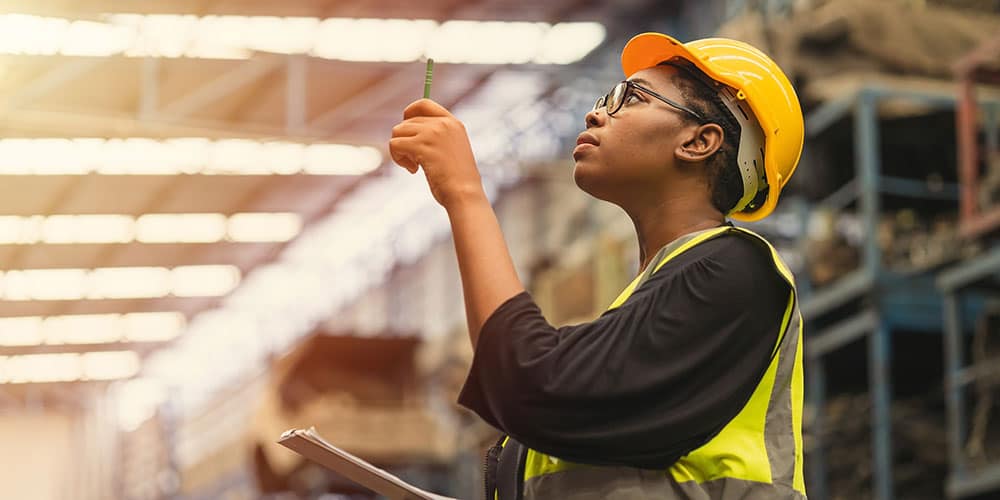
[842,333]
[986,369]
[149,97]
[847,288]
[968,152]
[373,97]
[50,81]
[912,188]
[983,481]
[296,88]
[828,113]
[245,74]
[842,197]
[867,166]
[816,376]
[880,387]
[970,272]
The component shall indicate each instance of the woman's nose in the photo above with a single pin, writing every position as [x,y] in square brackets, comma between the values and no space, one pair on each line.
[594,118]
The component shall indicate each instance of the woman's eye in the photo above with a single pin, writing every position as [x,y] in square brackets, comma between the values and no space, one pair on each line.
[631,98]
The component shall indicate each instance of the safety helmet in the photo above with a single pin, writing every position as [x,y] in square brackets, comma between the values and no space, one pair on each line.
[761,99]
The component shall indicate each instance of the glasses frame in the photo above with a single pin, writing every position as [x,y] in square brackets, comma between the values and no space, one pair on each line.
[605,100]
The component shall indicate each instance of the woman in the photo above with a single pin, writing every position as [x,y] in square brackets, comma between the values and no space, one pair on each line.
[690,385]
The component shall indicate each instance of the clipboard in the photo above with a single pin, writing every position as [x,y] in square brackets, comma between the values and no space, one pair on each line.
[309,444]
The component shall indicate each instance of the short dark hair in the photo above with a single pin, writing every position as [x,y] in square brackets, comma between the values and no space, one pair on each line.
[723,171]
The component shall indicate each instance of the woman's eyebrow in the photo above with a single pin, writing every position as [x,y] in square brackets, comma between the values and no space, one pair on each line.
[640,80]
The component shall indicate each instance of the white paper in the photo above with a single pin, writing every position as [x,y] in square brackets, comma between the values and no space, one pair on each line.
[308,443]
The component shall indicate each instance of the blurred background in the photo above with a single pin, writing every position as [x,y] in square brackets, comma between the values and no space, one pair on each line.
[204,243]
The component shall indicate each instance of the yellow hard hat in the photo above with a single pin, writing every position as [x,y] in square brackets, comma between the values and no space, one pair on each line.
[754,80]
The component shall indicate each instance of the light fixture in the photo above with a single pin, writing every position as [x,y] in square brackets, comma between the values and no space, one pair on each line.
[204,281]
[348,39]
[41,368]
[150,228]
[70,367]
[190,155]
[110,365]
[263,227]
[91,328]
[118,282]
[180,228]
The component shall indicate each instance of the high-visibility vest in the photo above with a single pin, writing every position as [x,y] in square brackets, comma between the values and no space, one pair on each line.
[756,455]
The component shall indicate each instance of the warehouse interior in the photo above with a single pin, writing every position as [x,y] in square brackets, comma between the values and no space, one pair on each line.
[204,241]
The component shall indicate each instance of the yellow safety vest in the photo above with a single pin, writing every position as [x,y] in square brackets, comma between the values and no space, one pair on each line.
[757,455]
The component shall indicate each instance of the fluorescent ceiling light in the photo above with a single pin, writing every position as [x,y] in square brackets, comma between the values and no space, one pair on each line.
[128,283]
[180,228]
[34,368]
[74,228]
[44,284]
[151,327]
[21,331]
[190,155]
[91,328]
[118,283]
[150,228]
[40,368]
[366,39]
[264,227]
[81,329]
[109,365]
[204,281]
[348,39]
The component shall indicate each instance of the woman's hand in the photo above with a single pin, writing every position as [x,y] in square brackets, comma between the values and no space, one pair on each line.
[431,137]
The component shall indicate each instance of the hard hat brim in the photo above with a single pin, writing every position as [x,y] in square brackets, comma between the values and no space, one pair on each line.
[646,50]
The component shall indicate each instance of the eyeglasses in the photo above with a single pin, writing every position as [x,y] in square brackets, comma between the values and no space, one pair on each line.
[614,100]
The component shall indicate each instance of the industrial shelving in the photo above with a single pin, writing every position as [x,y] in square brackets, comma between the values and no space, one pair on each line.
[871,301]
[976,278]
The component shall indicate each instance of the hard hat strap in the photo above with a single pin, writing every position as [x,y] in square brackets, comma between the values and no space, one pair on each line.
[750,156]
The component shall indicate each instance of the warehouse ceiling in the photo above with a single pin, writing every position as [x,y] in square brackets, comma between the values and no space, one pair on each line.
[154,154]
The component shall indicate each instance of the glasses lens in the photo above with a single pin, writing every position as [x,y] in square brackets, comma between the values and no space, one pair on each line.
[617,97]
[599,103]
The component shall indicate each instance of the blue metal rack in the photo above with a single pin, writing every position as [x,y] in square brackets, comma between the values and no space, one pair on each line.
[957,284]
[877,288]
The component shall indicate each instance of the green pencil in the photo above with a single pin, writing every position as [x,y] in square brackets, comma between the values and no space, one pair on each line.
[428,78]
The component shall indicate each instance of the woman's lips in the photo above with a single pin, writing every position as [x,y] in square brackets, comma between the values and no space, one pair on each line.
[584,142]
[587,138]
[581,148]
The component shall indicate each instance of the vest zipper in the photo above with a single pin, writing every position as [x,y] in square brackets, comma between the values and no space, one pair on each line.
[522,455]
[490,468]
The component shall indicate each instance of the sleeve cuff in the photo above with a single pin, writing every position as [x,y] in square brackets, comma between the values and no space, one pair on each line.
[473,393]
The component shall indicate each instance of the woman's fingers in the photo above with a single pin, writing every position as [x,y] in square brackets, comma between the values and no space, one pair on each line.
[400,148]
[410,127]
[424,107]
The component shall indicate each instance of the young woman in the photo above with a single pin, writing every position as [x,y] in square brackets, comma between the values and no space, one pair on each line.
[690,385]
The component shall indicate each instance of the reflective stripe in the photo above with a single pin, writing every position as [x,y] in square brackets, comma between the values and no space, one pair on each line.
[671,250]
[778,430]
[758,454]
[799,480]
[626,483]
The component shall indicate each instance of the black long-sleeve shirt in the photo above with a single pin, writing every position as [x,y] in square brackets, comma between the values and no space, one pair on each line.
[645,383]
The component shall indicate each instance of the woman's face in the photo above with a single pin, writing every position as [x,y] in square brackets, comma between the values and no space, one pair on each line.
[631,152]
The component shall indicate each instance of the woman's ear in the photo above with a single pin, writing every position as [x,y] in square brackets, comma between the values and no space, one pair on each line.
[703,141]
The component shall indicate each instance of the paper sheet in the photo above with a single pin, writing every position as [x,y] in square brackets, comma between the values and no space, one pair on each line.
[309,444]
